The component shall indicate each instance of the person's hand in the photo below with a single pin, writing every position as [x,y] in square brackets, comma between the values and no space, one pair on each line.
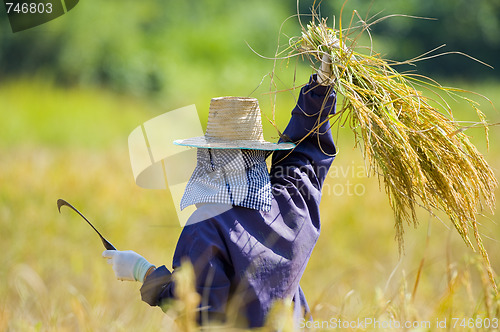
[325,71]
[127,265]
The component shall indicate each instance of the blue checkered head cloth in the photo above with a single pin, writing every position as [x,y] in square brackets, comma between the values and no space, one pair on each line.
[230,176]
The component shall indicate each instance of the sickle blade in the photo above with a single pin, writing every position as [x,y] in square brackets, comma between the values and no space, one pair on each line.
[106,243]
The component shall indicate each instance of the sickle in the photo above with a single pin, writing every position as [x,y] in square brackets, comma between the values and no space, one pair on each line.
[107,244]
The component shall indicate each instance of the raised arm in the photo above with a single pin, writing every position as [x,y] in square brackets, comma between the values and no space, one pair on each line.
[310,130]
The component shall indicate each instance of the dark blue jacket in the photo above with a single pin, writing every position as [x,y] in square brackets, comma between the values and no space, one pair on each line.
[245,259]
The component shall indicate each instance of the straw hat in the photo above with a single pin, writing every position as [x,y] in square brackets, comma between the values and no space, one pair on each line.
[234,123]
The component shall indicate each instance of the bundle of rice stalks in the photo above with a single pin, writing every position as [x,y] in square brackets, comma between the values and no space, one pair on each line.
[423,156]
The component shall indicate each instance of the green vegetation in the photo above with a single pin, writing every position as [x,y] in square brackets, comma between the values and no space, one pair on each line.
[153,47]
[68,105]
[55,279]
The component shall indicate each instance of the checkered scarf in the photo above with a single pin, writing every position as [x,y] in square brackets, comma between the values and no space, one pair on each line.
[230,176]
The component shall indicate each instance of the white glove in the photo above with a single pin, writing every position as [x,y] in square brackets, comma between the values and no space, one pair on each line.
[325,71]
[127,265]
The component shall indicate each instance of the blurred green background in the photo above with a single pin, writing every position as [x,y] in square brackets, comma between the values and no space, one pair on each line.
[73,89]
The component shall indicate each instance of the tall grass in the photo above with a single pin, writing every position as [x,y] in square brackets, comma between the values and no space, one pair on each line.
[53,276]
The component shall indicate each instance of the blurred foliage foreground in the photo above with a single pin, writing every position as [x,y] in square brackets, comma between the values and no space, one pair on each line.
[53,276]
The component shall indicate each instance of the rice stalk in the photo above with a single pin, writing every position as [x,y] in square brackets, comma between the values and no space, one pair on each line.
[422,156]
[187,299]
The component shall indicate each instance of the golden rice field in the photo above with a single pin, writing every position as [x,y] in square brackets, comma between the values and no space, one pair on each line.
[72,144]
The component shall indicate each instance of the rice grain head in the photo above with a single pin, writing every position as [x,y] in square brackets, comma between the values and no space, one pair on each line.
[423,157]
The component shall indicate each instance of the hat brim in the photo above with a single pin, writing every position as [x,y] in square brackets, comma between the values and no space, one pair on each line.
[204,143]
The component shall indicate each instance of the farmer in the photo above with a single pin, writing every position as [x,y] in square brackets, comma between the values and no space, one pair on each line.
[253,231]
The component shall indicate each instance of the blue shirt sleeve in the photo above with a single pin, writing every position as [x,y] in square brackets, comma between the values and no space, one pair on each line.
[309,129]
[204,247]
[158,283]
